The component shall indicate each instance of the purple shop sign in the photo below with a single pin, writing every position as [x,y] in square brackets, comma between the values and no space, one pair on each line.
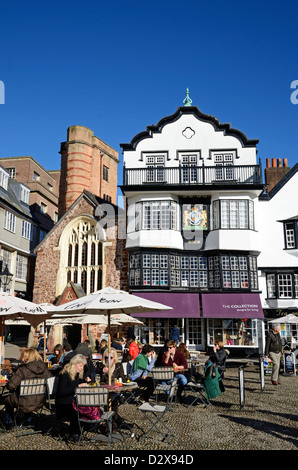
[232,306]
[184,305]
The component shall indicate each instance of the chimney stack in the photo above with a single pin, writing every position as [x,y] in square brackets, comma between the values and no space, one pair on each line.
[275,173]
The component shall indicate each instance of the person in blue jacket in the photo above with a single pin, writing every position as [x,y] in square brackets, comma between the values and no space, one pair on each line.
[175,334]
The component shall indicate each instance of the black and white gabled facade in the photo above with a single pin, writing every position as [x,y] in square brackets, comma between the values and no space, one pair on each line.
[192,187]
[278,259]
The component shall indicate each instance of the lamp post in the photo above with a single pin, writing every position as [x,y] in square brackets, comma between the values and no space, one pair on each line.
[5,279]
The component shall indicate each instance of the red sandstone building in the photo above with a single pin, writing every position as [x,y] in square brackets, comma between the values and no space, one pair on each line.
[83,252]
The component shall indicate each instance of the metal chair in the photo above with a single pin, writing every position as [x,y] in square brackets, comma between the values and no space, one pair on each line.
[52,385]
[199,392]
[159,375]
[95,397]
[32,388]
[156,414]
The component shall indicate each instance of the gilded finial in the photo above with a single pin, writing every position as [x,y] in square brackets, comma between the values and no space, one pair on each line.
[187,101]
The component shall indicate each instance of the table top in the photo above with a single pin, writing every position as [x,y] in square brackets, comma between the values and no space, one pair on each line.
[117,387]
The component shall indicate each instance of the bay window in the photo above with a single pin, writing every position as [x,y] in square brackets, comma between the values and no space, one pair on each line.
[188,270]
[233,214]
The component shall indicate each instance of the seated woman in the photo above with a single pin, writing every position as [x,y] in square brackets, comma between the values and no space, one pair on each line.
[57,357]
[117,372]
[32,367]
[71,377]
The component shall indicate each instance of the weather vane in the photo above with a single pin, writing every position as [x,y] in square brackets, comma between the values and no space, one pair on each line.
[187,101]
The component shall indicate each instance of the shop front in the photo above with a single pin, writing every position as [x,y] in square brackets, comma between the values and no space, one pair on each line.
[235,319]
[185,314]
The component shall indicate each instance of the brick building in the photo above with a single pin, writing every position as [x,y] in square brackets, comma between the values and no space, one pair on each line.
[85,250]
[44,189]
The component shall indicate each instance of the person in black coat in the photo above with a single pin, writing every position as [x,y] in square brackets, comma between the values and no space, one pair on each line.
[71,377]
[219,356]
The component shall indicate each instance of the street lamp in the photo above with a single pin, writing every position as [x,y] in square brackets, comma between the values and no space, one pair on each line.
[5,278]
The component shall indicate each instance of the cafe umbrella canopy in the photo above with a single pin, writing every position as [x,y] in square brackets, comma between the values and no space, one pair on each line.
[14,307]
[288,319]
[109,301]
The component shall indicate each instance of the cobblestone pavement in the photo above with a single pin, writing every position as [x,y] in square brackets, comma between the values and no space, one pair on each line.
[267,421]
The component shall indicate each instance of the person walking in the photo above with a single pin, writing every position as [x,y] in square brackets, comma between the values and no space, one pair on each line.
[175,334]
[273,350]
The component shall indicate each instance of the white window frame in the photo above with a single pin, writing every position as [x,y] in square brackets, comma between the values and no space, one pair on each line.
[290,240]
[25,194]
[189,166]
[224,163]
[10,221]
[4,177]
[229,214]
[157,215]
[155,165]
[26,230]
[21,267]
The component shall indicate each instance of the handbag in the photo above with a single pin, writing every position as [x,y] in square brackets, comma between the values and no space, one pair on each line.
[88,412]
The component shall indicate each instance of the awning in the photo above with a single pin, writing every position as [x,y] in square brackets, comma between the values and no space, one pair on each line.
[184,305]
[232,306]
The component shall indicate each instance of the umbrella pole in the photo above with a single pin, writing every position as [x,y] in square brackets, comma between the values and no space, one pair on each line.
[109,346]
[2,347]
[44,341]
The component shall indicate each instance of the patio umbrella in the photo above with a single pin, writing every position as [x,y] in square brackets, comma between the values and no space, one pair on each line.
[290,318]
[15,307]
[123,318]
[110,301]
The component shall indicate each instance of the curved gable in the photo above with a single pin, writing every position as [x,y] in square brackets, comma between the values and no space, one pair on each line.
[194,110]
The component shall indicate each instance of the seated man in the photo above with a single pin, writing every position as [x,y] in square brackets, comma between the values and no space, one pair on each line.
[173,358]
[140,368]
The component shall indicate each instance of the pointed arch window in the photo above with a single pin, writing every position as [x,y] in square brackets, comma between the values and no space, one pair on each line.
[84,256]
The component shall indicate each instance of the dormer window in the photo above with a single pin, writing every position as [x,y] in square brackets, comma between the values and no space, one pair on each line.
[25,194]
[3,178]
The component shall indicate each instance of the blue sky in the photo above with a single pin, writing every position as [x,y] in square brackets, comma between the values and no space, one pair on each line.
[117,67]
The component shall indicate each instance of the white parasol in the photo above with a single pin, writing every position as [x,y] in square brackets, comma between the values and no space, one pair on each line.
[290,318]
[108,302]
[15,307]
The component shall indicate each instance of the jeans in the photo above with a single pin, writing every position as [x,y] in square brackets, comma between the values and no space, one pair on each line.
[182,381]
